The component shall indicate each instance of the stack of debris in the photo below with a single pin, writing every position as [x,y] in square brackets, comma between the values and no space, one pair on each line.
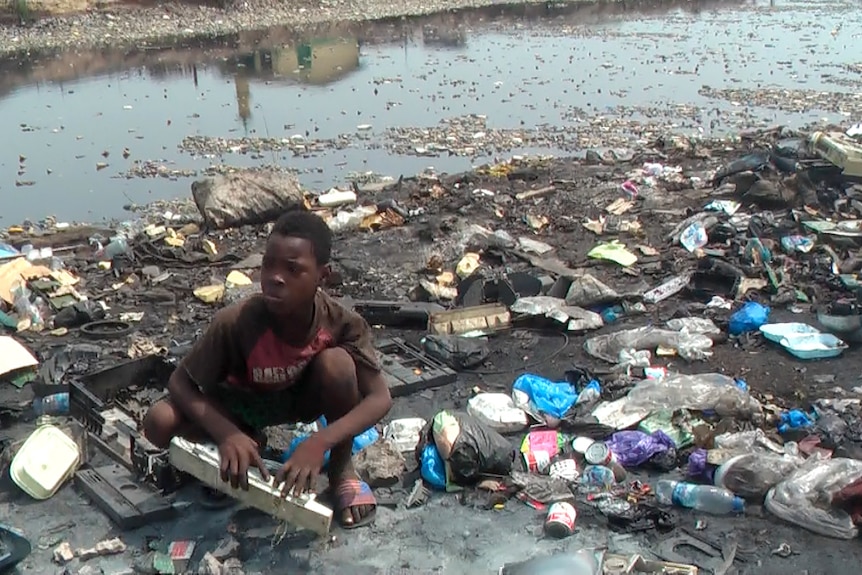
[765,258]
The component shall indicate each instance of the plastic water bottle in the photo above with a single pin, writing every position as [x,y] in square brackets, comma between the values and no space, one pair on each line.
[705,498]
[117,247]
[56,404]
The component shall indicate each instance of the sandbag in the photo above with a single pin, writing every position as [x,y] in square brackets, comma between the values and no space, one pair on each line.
[246,197]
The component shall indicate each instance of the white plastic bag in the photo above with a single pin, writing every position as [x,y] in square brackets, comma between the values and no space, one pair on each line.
[404,433]
[497,411]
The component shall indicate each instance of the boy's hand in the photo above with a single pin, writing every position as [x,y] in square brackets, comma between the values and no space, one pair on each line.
[299,472]
[237,453]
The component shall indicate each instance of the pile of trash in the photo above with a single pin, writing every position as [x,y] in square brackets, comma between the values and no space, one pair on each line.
[577,447]
[645,423]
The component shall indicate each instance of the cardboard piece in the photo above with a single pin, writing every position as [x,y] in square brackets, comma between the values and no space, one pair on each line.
[14,356]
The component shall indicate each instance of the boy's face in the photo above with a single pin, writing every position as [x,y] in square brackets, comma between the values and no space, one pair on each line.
[289,274]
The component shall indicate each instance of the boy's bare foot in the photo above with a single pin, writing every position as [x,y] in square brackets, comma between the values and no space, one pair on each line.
[354,501]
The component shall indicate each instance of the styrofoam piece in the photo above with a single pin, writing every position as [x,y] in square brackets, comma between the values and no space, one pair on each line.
[202,461]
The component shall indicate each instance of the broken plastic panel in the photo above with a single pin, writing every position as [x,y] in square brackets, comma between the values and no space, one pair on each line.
[409,370]
[95,393]
[117,492]
[14,547]
[394,314]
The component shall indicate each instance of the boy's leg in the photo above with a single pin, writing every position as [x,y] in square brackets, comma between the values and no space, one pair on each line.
[331,389]
[165,420]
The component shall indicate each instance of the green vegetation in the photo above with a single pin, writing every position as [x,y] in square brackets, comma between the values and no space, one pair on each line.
[19,9]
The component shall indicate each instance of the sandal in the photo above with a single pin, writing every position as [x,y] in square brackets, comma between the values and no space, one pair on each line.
[213,499]
[354,493]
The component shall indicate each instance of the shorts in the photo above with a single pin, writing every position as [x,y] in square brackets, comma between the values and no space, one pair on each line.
[257,410]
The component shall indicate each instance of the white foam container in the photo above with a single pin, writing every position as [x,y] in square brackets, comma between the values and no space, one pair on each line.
[46,460]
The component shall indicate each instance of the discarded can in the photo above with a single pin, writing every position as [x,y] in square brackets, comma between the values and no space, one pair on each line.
[598,454]
[537,461]
[560,522]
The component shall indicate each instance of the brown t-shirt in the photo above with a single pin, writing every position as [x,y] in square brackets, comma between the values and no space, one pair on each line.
[240,350]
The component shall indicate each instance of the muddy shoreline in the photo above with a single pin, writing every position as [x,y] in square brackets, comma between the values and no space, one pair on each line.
[177,23]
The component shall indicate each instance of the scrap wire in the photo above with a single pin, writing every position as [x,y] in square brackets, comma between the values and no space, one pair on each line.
[532,364]
[281,529]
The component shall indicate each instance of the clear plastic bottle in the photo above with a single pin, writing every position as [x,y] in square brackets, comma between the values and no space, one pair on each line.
[705,498]
[26,308]
[56,404]
[118,246]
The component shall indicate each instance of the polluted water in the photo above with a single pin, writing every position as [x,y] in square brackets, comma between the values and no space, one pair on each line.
[95,134]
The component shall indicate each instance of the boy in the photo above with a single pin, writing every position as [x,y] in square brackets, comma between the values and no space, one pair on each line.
[290,354]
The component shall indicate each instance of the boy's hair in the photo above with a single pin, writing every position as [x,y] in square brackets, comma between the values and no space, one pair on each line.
[306,225]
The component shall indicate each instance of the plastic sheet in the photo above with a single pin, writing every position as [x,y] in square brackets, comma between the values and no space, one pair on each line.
[246,197]
[582,562]
[456,352]
[700,325]
[607,347]
[586,291]
[745,441]
[701,392]
[805,497]
[360,442]
[794,419]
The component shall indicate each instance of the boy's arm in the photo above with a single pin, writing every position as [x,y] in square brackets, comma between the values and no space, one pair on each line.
[208,363]
[374,405]
[198,408]
[373,389]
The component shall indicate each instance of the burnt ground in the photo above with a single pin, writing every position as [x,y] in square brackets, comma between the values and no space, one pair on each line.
[451,533]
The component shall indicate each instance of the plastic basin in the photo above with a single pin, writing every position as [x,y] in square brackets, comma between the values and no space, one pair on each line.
[778,331]
[814,346]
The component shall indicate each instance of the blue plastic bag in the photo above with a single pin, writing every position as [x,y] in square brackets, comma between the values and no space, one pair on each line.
[794,419]
[360,442]
[748,318]
[432,468]
[549,397]
[590,393]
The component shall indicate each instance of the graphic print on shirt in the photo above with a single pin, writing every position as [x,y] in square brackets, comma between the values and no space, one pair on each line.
[273,365]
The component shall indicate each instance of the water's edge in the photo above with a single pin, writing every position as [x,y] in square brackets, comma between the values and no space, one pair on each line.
[188,24]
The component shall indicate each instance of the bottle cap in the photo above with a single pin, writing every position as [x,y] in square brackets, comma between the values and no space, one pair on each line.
[738,505]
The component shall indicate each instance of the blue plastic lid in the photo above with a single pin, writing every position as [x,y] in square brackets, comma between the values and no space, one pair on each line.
[738,505]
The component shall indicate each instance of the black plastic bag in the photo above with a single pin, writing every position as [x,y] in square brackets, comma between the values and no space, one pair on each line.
[79,313]
[469,447]
[456,352]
